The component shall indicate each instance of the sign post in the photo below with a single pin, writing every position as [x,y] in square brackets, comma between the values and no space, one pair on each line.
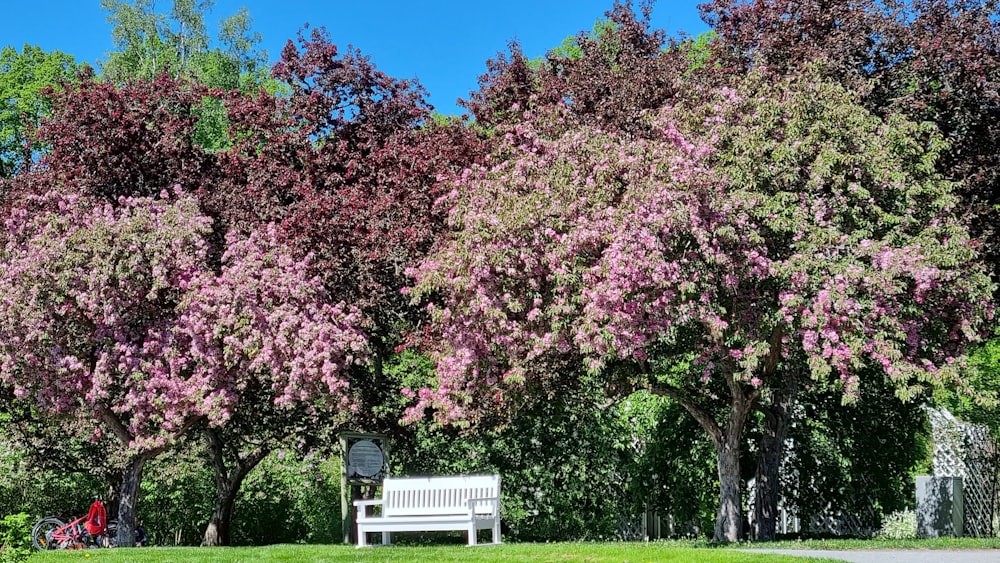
[364,462]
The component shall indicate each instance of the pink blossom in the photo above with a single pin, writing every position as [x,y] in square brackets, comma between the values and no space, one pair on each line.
[600,247]
[168,341]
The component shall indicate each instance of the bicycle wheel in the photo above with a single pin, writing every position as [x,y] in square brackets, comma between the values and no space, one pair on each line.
[41,534]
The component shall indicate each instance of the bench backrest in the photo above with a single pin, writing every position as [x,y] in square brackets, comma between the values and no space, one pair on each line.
[418,496]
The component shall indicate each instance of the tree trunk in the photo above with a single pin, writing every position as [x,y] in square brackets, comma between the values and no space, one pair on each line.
[217,533]
[742,398]
[771,452]
[128,497]
[128,491]
[227,486]
[729,518]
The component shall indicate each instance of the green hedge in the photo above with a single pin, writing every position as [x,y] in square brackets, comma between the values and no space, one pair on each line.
[15,538]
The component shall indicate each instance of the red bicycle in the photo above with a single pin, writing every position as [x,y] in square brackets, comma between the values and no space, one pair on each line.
[92,530]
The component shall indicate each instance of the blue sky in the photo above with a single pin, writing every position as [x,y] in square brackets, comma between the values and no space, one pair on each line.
[442,43]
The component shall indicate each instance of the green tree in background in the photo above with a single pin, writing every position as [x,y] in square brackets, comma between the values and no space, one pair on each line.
[177,42]
[23,76]
[984,376]
[136,32]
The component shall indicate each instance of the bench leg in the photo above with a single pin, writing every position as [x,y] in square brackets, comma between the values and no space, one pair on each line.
[472,534]
[496,531]
[362,538]
[386,538]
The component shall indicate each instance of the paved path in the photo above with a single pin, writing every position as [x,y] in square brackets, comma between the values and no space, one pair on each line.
[897,556]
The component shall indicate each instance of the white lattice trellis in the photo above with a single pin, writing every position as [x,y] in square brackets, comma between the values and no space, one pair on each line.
[968,451]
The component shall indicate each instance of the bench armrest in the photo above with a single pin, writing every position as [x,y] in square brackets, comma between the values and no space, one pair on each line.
[362,506]
[495,501]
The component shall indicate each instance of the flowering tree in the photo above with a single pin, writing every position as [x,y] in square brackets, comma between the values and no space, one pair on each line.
[348,161]
[777,231]
[345,160]
[929,60]
[113,311]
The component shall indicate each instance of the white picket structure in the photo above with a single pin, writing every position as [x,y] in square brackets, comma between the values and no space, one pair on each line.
[424,504]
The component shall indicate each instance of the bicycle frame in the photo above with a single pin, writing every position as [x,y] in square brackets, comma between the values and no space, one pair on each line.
[52,533]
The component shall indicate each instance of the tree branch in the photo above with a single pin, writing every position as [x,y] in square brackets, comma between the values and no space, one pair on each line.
[109,418]
[216,457]
[774,354]
[704,418]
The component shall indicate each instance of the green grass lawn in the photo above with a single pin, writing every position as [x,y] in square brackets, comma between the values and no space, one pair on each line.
[671,551]
[508,553]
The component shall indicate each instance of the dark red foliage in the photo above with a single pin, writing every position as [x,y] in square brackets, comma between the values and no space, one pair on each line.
[110,141]
[350,165]
[783,35]
[628,69]
[623,72]
[509,87]
[341,95]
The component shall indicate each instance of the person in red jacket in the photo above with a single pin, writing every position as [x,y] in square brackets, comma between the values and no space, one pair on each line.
[97,521]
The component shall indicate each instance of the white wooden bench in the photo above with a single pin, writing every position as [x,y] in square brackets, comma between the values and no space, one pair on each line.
[425,504]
